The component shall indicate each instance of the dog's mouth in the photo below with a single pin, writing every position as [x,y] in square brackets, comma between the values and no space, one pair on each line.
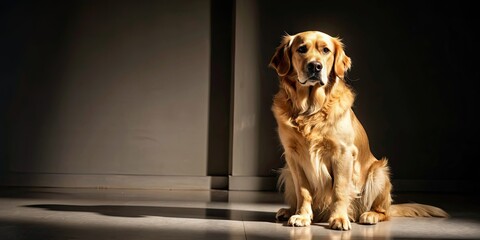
[312,80]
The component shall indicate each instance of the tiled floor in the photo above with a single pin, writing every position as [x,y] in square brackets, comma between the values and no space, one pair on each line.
[54,213]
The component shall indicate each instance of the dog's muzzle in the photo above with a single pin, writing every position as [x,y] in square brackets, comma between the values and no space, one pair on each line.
[313,71]
[314,68]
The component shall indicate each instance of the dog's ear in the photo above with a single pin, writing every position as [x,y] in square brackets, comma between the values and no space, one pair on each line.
[281,59]
[343,63]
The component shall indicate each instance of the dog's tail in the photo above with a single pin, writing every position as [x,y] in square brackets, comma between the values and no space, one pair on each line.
[416,210]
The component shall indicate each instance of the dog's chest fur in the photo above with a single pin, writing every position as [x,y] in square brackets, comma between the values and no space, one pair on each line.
[315,113]
[320,126]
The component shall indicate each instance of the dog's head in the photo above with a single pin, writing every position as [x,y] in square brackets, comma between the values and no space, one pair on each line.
[311,57]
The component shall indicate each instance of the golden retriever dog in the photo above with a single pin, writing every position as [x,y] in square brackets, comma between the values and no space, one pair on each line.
[330,173]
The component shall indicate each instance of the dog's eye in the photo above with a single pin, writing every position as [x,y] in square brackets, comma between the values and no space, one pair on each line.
[326,50]
[302,49]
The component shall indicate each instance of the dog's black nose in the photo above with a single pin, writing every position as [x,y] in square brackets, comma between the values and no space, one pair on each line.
[314,67]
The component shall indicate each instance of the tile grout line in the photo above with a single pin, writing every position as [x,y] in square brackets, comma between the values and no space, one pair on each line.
[244,230]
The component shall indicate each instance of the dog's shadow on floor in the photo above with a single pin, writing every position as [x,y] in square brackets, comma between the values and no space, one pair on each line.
[161,211]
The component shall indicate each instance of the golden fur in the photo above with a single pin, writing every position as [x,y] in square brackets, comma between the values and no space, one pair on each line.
[330,173]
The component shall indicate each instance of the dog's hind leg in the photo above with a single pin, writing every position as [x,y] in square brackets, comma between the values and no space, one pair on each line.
[376,194]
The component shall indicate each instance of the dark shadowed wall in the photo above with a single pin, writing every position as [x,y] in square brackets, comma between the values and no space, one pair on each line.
[413,70]
[177,94]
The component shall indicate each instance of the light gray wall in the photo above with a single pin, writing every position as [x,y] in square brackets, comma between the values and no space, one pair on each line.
[109,88]
[246,111]
[256,150]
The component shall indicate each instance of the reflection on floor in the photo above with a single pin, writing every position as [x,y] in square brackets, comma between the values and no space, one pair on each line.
[55,213]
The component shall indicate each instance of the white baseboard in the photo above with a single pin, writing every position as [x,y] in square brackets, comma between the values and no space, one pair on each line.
[114,181]
[252,183]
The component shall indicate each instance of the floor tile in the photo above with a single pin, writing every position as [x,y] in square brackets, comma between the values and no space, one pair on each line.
[56,213]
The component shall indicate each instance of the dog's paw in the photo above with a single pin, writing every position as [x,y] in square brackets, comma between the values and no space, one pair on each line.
[300,220]
[283,214]
[339,223]
[369,218]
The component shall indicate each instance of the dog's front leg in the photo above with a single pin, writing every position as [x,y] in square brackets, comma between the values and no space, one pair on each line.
[342,164]
[304,214]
